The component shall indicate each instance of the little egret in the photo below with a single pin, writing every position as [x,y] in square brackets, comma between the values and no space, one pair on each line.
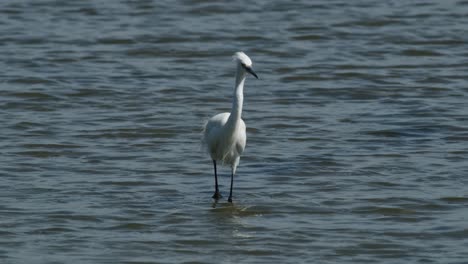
[224,134]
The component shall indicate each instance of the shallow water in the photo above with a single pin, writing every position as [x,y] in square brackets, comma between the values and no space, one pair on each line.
[357,132]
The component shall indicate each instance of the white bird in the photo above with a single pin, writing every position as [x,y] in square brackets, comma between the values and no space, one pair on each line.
[224,134]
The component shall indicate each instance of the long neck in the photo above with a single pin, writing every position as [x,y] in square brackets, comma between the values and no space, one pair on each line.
[238,99]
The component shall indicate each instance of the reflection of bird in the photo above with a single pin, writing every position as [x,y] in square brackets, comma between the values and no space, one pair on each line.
[224,134]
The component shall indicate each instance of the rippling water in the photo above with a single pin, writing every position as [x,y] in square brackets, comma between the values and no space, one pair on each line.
[357,132]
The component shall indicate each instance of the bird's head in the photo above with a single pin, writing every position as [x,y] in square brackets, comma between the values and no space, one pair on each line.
[244,61]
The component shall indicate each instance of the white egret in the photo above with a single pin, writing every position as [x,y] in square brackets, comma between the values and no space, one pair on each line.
[224,134]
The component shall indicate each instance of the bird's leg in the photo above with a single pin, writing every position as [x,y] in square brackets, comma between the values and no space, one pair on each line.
[216,195]
[230,192]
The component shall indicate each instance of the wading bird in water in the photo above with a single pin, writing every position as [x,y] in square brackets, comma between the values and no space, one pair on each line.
[224,134]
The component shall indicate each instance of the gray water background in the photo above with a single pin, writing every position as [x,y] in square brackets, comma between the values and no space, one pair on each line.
[357,131]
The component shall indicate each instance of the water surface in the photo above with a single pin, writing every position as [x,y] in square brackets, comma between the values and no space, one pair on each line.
[357,132]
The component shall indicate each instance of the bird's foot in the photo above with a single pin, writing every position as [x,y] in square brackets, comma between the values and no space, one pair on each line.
[216,195]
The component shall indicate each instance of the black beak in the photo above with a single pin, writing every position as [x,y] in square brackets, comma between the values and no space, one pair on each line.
[249,70]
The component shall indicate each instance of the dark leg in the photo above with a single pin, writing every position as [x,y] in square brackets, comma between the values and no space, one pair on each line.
[216,195]
[230,192]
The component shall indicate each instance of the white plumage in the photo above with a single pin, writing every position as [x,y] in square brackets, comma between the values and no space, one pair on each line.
[225,141]
[224,134]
